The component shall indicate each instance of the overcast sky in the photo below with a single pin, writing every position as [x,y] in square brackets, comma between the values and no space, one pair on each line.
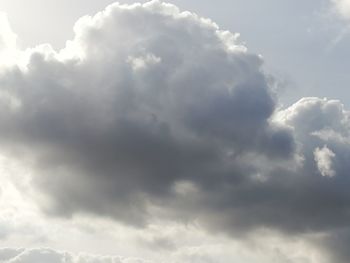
[180,132]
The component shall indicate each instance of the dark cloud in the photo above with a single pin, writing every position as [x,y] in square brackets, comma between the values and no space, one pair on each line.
[142,98]
[299,199]
[336,245]
[149,112]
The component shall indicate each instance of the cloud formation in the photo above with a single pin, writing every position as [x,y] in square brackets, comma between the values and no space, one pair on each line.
[152,114]
[323,159]
[129,109]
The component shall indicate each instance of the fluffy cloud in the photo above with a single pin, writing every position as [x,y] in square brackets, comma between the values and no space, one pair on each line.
[145,97]
[323,158]
[153,114]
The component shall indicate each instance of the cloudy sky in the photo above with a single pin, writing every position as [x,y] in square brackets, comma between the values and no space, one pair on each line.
[179,132]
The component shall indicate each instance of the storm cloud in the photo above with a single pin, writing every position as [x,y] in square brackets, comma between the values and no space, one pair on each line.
[150,112]
[129,109]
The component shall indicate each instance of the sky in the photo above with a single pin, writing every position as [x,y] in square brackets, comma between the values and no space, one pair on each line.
[179,131]
[304,45]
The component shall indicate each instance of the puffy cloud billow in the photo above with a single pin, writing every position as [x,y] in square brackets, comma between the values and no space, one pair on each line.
[143,98]
[150,113]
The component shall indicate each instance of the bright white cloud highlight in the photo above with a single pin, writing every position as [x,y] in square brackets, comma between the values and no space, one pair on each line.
[52,256]
[342,7]
[8,42]
[324,158]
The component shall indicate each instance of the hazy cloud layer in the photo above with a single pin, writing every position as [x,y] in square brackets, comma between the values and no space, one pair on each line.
[213,252]
[51,256]
[342,7]
[151,114]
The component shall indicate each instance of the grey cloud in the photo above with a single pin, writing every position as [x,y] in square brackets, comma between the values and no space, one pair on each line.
[149,112]
[301,199]
[8,253]
[336,245]
[144,96]
[158,243]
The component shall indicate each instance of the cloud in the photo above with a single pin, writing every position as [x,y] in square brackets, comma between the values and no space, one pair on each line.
[154,114]
[143,97]
[323,159]
[342,7]
[8,42]
[207,249]
[49,255]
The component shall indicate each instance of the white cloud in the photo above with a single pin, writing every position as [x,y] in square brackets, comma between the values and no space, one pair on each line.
[7,37]
[267,249]
[53,256]
[142,62]
[324,158]
[342,7]
[8,42]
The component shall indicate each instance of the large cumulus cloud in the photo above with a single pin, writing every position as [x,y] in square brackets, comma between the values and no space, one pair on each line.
[153,113]
[143,97]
